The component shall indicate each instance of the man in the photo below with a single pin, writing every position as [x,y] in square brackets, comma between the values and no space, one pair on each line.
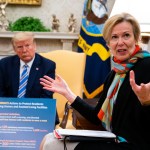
[12,68]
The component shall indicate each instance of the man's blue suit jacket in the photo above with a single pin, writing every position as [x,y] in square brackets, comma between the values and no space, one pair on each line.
[10,72]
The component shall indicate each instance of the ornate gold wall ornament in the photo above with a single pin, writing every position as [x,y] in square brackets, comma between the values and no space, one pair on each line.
[23,2]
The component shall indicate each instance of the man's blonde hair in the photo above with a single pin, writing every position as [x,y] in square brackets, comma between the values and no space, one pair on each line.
[19,36]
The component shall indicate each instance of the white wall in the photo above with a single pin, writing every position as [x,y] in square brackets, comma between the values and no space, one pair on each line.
[62,9]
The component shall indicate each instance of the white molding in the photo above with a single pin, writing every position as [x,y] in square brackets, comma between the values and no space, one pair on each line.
[45,35]
[46,41]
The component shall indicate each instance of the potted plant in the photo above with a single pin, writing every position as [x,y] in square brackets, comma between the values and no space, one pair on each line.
[28,24]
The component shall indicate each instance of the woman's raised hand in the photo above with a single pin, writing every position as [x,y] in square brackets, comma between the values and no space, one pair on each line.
[58,85]
[142,91]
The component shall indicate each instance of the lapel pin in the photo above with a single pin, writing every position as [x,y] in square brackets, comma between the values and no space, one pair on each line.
[37,68]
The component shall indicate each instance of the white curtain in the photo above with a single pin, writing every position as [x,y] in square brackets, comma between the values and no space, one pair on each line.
[140,9]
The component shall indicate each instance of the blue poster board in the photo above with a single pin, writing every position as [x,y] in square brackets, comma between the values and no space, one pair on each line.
[25,121]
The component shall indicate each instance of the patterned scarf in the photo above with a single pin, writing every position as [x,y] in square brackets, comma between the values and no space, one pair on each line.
[121,68]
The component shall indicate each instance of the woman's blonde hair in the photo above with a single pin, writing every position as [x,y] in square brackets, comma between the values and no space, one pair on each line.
[118,18]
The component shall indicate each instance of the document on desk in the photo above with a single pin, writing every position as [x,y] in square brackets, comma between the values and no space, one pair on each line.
[80,135]
[25,121]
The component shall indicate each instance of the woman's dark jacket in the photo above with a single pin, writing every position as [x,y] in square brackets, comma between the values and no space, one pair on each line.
[130,119]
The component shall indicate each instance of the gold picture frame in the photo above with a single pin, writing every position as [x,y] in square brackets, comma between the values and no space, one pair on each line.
[22,2]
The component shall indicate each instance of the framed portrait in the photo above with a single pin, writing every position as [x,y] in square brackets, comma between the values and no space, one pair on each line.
[22,2]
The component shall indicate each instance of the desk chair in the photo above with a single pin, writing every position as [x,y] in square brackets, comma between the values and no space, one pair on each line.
[70,66]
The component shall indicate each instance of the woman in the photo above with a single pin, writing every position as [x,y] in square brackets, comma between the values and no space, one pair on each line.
[124,106]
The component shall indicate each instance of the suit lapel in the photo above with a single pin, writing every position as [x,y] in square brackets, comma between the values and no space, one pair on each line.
[33,73]
[15,76]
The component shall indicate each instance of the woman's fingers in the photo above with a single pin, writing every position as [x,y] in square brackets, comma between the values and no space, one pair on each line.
[46,81]
[134,86]
[48,78]
[142,91]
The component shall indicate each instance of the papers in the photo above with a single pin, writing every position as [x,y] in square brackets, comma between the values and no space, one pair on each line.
[79,135]
[23,122]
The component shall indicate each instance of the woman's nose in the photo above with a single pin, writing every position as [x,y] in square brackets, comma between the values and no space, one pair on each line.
[120,40]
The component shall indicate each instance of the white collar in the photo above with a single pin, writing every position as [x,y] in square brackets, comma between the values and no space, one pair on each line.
[22,63]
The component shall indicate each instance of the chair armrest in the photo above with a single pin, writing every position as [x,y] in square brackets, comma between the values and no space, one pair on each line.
[65,116]
[79,122]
